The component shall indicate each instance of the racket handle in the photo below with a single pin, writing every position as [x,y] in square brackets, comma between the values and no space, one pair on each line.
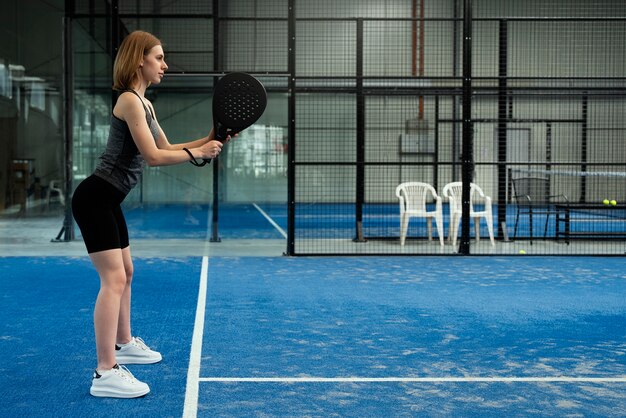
[222,132]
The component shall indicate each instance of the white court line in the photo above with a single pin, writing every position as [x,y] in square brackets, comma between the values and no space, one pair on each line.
[561,379]
[270,220]
[193,373]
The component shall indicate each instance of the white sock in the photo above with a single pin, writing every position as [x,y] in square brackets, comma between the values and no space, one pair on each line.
[124,345]
[101,372]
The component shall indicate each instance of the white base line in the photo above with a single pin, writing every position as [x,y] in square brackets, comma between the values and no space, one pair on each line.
[270,220]
[468,379]
[193,373]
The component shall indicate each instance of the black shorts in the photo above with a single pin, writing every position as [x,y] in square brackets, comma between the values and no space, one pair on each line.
[97,211]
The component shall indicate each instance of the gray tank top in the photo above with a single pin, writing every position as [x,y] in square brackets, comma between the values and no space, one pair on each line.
[121,164]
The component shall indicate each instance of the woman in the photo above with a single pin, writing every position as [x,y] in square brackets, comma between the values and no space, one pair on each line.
[135,138]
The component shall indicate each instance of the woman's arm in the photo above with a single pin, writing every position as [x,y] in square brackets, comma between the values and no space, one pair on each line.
[163,143]
[129,109]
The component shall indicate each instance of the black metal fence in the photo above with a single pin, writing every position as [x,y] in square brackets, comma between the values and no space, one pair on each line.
[488,93]
[371,96]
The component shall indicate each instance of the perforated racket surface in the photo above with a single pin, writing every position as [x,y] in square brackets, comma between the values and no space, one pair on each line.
[239,100]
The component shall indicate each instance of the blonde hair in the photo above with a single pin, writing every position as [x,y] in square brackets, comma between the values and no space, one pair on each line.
[132,50]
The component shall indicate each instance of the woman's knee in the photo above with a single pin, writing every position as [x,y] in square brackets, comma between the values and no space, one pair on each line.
[114,281]
[111,267]
[129,269]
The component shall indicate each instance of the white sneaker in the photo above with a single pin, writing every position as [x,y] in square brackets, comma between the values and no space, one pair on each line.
[118,382]
[136,352]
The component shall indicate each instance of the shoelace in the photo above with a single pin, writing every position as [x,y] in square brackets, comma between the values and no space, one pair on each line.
[139,342]
[124,373]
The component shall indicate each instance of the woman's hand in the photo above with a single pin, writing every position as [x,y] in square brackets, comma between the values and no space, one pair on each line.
[211,149]
[229,138]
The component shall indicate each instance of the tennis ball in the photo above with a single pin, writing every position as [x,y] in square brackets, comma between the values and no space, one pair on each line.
[606,202]
[613,202]
[522,251]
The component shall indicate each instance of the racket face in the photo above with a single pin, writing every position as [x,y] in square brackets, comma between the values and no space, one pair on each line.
[239,100]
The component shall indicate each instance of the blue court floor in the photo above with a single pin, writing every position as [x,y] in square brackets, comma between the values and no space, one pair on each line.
[326,336]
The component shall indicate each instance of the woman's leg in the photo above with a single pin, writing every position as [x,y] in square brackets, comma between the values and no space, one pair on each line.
[110,267]
[131,350]
[124,334]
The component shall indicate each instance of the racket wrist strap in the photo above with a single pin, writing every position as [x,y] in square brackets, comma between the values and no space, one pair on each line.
[193,159]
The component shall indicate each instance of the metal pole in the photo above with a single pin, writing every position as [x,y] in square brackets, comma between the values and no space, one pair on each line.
[455,99]
[583,150]
[467,169]
[360,134]
[216,202]
[291,132]
[116,40]
[67,231]
[502,126]
[216,163]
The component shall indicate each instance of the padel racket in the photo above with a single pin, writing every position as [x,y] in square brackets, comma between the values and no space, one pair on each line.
[239,100]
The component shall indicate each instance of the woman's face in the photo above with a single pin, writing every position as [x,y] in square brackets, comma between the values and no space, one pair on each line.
[154,66]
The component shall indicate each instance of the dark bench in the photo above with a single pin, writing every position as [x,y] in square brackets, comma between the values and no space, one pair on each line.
[591,214]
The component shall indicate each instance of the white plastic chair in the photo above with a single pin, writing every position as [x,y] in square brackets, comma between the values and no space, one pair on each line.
[453,191]
[414,197]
